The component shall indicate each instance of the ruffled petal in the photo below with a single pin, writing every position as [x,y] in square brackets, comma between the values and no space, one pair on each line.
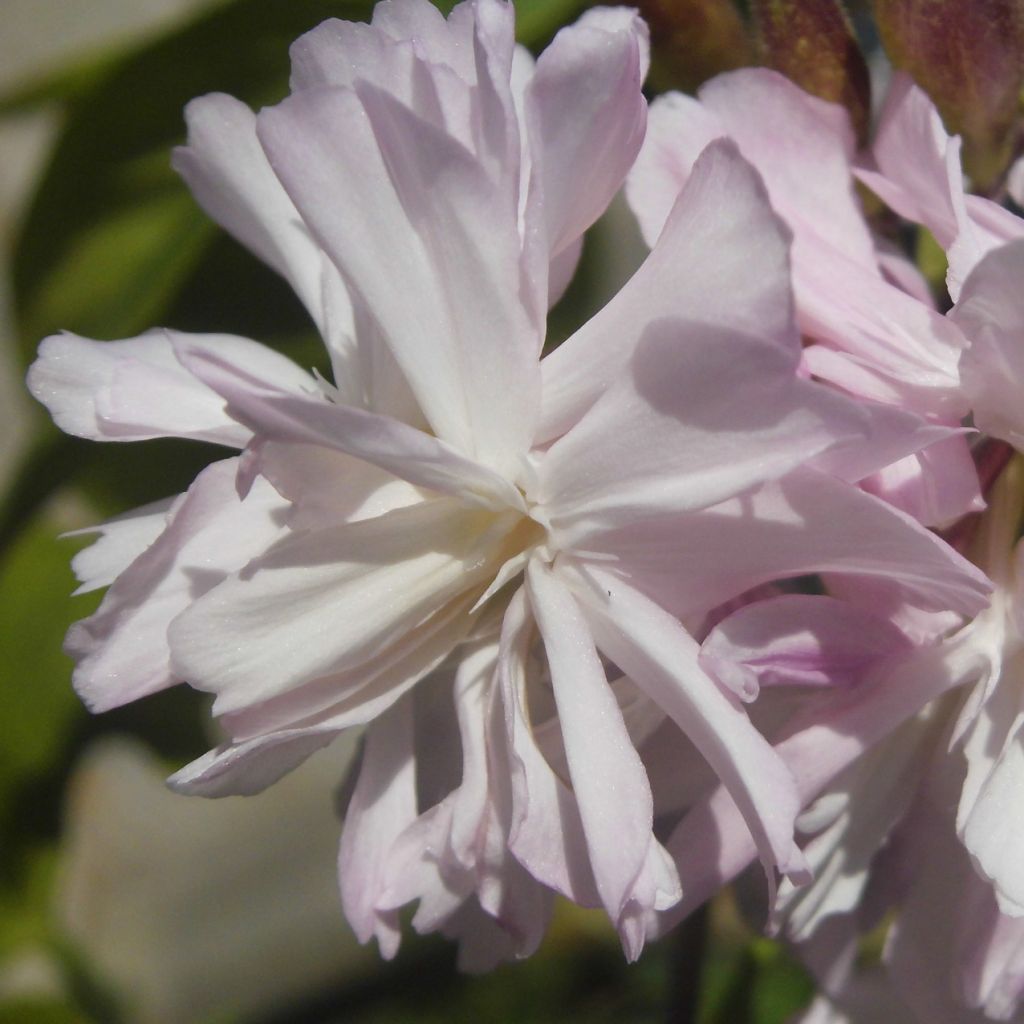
[431,245]
[383,804]
[136,389]
[722,260]
[662,659]
[121,541]
[333,601]
[797,640]
[122,649]
[226,169]
[699,414]
[608,778]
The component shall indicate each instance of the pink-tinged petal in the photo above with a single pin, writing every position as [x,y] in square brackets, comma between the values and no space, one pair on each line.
[226,169]
[121,541]
[805,523]
[430,244]
[984,226]
[699,414]
[891,333]
[393,446]
[936,486]
[358,696]
[915,164]
[382,806]
[333,601]
[546,834]
[586,118]
[456,854]
[136,389]
[122,649]
[662,659]
[608,778]
[679,129]
[247,768]
[781,130]
[991,314]
[713,844]
[797,640]
[994,976]
[987,819]
[325,487]
[344,53]
[892,434]
[734,251]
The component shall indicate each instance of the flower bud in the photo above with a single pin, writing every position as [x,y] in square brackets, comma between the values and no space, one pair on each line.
[969,57]
[694,40]
[812,43]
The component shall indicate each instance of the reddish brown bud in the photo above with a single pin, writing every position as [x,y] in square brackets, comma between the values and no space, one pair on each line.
[694,40]
[968,55]
[812,43]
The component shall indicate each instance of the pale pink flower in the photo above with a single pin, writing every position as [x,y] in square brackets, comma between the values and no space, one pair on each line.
[875,330]
[454,513]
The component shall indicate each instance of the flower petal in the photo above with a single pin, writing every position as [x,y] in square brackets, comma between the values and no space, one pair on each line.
[698,415]
[661,658]
[121,541]
[408,453]
[608,778]
[713,844]
[431,246]
[332,600]
[226,169]
[136,389]
[807,522]
[383,804]
[991,314]
[797,640]
[547,835]
[586,118]
[122,648]
[734,253]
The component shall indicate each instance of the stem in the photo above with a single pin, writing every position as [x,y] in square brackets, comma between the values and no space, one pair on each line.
[686,962]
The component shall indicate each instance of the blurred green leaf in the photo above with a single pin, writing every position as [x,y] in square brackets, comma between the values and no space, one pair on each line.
[36,606]
[112,234]
[116,276]
[40,1011]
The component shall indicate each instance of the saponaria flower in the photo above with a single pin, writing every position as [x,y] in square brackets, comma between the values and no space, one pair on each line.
[541,535]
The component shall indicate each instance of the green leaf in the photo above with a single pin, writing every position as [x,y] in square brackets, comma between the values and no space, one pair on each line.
[112,234]
[36,606]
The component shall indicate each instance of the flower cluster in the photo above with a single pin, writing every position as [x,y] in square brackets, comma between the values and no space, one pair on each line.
[705,584]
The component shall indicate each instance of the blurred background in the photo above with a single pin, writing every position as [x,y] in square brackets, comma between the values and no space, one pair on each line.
[119,901]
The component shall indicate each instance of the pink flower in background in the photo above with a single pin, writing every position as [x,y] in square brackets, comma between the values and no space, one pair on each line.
[453,524]
[874,328]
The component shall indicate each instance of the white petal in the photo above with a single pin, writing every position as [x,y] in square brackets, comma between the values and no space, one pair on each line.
[722,260]
[332,601]
[805,523]
[586,117]
[430,245]
[136,389]
[698,414]
[608,778]
[121,541]
[227,171]
[279,415]
[662,659]
[382,806]
[122,649]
